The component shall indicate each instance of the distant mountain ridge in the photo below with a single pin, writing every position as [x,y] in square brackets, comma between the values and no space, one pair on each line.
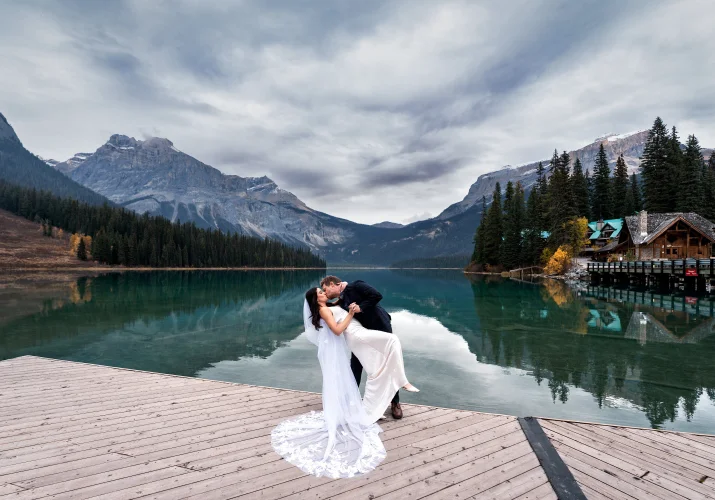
[630,145]
[154,176]
[388,225]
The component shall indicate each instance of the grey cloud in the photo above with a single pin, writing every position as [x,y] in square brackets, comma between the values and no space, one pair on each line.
[420,172]
[341,99]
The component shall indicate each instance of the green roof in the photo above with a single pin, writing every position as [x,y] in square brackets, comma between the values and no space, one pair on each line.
[616,224]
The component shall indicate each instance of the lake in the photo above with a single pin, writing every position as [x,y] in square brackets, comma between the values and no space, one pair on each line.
[477,343]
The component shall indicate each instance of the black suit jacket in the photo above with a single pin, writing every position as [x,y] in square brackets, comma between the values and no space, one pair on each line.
[373,316]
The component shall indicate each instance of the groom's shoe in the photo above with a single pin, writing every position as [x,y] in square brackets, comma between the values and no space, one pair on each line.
[396,411]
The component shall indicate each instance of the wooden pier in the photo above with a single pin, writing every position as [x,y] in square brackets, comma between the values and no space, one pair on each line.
[696,275]
[78,431]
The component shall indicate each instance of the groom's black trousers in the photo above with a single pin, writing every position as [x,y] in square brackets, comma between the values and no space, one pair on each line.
[356,367]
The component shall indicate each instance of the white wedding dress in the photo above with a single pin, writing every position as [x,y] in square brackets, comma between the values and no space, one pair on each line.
[342,440]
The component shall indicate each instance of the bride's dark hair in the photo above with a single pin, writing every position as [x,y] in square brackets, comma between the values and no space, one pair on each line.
[312,297]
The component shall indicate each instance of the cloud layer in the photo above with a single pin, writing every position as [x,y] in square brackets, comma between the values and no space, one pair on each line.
[372,110]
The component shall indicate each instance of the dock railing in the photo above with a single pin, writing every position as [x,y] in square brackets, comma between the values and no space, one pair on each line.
[679,267]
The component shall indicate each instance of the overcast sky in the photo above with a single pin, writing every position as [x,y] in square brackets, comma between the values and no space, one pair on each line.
[368,110]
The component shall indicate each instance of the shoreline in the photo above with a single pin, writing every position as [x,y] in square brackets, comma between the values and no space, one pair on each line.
[55,269]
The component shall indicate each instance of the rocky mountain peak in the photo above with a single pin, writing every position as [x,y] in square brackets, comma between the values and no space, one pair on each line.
[6,130]
[630,145]
[158,143]
[119,141]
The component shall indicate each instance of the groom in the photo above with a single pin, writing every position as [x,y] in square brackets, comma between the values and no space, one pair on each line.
[369,313]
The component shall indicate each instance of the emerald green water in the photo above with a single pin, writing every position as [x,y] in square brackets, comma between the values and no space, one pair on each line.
[482,344]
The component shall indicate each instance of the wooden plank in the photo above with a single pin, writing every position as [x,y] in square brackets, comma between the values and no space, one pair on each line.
[653,447]
[121,397]
[99,489]
[107,434]
[559,476]
[597,489]
[484,480]
[137,410]
[165,421]
[84,487]
[140,487]
[673,440]
[642,462]
[38,470]
[7,488]
[619,426]
[122,400]
[161,431]
[38,411]
[435,476]
[108,411]
[647,481]
[516,486]
[623,487]
[136,446]
[122,417]
[423,477]
[403,456]
[71,390]
[39,383]
[619,446]
[114,413]
[542,492]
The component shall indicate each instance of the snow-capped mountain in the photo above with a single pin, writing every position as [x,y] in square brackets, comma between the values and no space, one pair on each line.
[630,145]
[66,167]
[155,177]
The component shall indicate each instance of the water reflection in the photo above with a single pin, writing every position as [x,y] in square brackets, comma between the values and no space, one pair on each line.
[659,362]
[168,322]
[618,356]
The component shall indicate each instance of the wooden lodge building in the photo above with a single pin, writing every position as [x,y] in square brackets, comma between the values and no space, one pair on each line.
[678,235]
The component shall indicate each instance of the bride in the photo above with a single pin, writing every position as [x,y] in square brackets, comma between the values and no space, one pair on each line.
[342,440]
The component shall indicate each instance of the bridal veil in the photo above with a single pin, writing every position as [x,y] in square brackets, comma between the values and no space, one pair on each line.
[337,442]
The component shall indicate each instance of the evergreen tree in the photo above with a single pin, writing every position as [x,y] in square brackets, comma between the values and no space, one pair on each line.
[619,190]
[655,169]
[601,186]
[506,214]
[513,226]
[690,194]
[579,188]
[559,198]
[589,183]
[81,250]
[478,254]
[676,161]
[541,189]
[636,194]
[493,230]
[542,183]
[122,237]
[709,188]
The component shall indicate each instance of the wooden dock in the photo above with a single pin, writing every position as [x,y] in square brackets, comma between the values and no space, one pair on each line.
[79,431]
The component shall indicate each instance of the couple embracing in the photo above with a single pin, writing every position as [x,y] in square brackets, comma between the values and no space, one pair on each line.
[342,440]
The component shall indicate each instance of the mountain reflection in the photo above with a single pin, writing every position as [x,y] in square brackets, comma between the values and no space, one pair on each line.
[481,343]
[168,322]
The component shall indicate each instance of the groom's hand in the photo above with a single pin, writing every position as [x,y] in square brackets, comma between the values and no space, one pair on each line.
[355,308]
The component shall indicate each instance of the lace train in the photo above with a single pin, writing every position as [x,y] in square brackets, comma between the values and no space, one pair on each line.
[305,442]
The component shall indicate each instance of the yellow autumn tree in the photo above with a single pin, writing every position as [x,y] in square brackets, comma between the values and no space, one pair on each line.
[74,243]
[559,262]
[576,230]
